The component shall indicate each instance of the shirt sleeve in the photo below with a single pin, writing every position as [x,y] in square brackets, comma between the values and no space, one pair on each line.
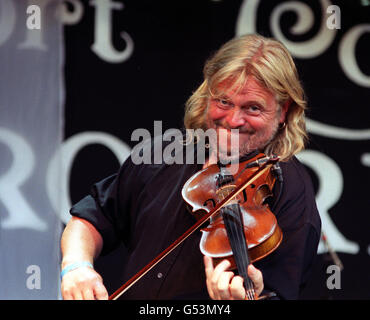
[112,203]
[286,270]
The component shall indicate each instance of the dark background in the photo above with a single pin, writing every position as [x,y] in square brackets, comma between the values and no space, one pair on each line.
[172,41]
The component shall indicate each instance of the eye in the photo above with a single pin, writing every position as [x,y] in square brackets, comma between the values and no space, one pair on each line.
[224,104]
[254,109]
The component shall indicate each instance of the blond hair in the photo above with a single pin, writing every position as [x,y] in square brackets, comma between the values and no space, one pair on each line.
[269,62]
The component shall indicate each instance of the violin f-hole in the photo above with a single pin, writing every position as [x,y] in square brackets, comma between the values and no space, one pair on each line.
[244,196]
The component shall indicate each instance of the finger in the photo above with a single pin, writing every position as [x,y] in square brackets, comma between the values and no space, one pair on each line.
[223,285]
[67,295]
[208,264]
[101,292]
[237,290]
[221,267]
[215,276]
[257,278]
[88,294]
[77,295]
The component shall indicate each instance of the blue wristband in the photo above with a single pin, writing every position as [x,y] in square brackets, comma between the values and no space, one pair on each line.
[74,266]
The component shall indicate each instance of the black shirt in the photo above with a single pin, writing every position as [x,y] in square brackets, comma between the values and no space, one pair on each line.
[142,207]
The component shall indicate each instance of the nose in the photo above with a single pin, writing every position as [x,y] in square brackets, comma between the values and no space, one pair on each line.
[235,118]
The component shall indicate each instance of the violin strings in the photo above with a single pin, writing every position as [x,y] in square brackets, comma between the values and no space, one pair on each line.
[233,222]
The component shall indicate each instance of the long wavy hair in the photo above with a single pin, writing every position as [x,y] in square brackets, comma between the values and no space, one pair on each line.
[270,63]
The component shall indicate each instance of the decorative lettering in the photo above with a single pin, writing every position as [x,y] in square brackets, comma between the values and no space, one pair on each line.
[329,192]
[347,57]
[19,211]
[70,17]
[246,23]
[58,172]
[103,46]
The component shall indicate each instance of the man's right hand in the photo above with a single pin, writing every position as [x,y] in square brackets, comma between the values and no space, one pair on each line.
[83,283]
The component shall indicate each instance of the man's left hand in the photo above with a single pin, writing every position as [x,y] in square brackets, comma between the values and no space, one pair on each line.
[223,284]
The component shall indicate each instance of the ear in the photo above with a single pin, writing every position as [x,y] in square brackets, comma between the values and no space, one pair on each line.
[284,110]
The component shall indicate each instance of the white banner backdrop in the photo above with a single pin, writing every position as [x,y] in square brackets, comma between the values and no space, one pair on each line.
[31,131]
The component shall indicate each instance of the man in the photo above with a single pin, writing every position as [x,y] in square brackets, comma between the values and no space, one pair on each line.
[250,85]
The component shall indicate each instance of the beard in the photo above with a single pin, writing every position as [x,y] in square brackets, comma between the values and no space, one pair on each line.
[230,144]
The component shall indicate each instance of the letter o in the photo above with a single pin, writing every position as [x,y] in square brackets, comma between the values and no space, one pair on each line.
[58,173]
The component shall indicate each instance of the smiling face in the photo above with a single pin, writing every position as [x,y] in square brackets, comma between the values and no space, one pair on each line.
[252,110]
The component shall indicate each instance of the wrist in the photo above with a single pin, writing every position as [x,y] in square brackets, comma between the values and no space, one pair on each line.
[73,258]
[73,266]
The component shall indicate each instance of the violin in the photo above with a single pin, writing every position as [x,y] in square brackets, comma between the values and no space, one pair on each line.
[244,230]
[241,226]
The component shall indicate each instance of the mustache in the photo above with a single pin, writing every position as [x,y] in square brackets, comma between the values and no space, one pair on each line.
[241,129]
